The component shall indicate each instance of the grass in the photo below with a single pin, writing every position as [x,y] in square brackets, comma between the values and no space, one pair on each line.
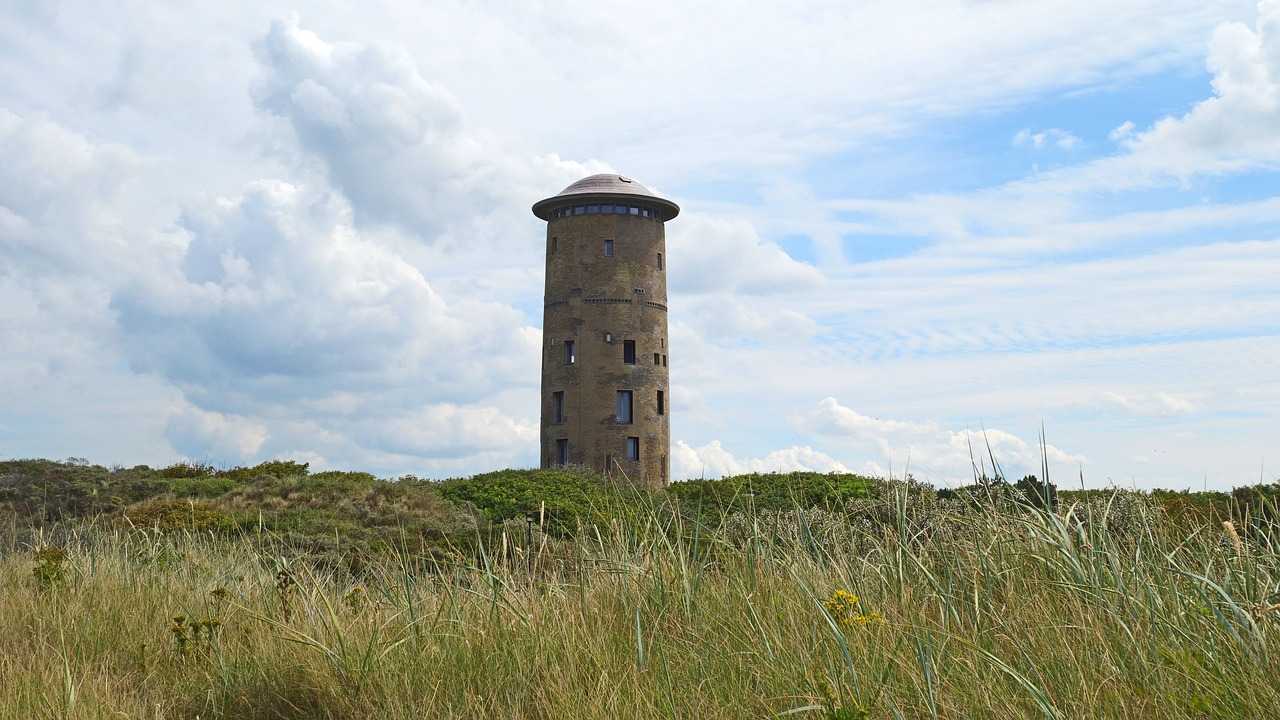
[900,605]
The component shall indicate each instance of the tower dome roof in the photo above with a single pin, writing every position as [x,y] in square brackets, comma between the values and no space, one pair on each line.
[605,186]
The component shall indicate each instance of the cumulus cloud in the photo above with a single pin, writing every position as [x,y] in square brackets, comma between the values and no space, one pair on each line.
[1121,131]
[263,309]
[1056,137]
[932,452]
[446,430]
[279,298]
[204,436]
[62,198]
[714,254]
[1236,128]
[714,460]
[397,145]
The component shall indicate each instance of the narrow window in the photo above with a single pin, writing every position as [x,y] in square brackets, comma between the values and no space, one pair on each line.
[659,261]
[629,352]
[624,407]
[608,337]
[608,248]
[662,405]
[562,451]
[569,357]
[555,245]
[662,468]
[657,359]
[608,463]
[557,406]
[664,361]
[633,448]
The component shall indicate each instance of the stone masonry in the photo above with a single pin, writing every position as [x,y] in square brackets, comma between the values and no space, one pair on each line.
[606,294]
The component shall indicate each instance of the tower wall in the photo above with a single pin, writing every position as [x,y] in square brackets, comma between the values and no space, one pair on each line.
[599,302]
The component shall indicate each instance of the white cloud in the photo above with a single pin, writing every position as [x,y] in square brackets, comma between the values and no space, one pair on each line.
[1121,131]
[928,450]
[1236,128]
[451,431]
[1057,137]
[278,297]
[1160,404]
[214,437]
[713,460]
[714,254]
[397,145]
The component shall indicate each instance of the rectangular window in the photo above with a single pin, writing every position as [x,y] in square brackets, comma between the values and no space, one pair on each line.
[593,209]
[662,405]
[557,406]
[579,209]
[633,448]
[629,352]
[555,244]
[608,248]
[634,210]
[659,261]
[623,415]
[562,451]
[657,359]
[662,468]
[569,357]
[664,361]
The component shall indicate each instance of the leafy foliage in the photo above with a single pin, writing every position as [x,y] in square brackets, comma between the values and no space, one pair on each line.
[773,491]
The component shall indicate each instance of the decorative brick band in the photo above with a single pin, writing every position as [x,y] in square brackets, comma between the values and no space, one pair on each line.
[609,301]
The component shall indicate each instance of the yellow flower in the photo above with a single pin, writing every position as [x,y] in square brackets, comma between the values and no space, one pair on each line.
[845,609]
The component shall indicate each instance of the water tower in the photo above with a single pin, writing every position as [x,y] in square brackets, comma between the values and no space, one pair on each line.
[605,373]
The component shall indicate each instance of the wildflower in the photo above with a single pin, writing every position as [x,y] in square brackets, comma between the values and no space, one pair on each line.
[845,609]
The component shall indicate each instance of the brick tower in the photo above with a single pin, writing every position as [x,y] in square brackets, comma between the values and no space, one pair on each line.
[605,389]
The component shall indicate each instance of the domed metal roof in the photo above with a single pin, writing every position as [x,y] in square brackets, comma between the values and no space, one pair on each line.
[605,186]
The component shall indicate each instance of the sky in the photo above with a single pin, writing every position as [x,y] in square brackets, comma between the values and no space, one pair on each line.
[242,230]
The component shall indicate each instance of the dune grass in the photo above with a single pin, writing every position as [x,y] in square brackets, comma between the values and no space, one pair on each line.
[923,613]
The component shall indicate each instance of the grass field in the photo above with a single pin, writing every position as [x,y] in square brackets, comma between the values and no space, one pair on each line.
[896,606]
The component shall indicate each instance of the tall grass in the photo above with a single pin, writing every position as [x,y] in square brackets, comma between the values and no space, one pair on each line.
[1008,613]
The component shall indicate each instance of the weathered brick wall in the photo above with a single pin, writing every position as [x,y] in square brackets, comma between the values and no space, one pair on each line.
[588,295]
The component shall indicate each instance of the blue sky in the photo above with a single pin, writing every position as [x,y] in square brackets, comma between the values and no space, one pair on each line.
[242,232]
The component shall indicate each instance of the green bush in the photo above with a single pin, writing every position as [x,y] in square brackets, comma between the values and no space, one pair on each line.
[175,514]
[567,496]
[773,491]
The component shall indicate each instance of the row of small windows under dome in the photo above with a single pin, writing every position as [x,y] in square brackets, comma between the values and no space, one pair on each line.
[637,211]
